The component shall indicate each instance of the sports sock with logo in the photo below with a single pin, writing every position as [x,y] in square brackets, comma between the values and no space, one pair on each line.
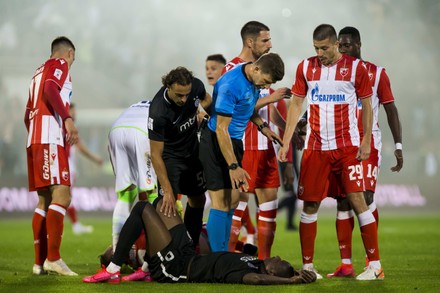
[55,227]
[40,236]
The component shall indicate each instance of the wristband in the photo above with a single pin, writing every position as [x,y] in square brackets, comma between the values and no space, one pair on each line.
[260,127]
[398,146]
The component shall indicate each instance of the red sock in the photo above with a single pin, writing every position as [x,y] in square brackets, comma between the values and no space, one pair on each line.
[247,221]
[266,228]
[141,242]
[308,227]
[55,226]
[369,235]
[40,236]
[71,212]
[376,216]
[344,231]
[257,214]
[236,225]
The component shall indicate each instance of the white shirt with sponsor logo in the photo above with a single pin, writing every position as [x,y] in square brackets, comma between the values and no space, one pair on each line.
[332,97]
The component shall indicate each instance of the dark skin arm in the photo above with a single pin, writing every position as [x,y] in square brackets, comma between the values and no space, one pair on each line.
[300,277]
[396,131]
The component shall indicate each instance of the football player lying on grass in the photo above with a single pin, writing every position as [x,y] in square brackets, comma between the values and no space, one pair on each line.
[171,256]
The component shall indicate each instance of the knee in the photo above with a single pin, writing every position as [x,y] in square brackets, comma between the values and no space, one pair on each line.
[139,207]
[311,207]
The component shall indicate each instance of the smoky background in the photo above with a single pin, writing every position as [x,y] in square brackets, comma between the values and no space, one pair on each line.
[123,48]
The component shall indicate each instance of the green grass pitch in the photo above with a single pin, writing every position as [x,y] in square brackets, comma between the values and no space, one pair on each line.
[409,248]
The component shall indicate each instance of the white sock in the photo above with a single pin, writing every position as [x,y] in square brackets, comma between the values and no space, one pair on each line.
[346,261]
[145,267]
[120,215]
[308,266]
[375,264]
[112,268]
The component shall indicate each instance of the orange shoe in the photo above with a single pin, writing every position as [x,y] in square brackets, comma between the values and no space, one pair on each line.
[344,270]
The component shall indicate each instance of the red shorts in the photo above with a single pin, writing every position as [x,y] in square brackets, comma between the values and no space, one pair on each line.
[47,165]
[262,166]
[370,169]
[320,168]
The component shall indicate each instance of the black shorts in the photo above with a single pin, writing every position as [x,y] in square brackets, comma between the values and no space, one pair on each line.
[214,164]
[186,176]
[171,263]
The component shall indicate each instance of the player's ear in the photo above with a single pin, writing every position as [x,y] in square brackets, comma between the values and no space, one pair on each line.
[249,42]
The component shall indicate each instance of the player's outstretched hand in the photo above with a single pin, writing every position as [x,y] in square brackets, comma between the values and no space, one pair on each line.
[399,158]
[239,179]
[307,276]
[168,207]
[281,93]
[272,136]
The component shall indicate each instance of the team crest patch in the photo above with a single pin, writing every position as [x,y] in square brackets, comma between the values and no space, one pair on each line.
[65,175]
[343,71]
[196,102]
[370,75]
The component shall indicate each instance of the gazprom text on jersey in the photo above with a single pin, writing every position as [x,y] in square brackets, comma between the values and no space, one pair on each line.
[329,98]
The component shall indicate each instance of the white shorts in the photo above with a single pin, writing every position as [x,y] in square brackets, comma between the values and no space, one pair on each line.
[129,150]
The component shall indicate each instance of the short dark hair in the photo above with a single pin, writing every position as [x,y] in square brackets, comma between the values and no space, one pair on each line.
[217,57]
[61,42]
[352,31]
[252,29]
[180,75]
[324,31]
[271,63]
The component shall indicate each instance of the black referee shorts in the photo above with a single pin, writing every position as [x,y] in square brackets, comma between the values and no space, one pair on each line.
[214,164]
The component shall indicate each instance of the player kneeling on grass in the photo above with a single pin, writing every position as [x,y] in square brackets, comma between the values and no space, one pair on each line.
[172,257]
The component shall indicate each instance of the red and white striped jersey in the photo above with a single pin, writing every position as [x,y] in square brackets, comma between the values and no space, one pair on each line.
[46,126]
[252,138]
[332,96]
[382,94]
